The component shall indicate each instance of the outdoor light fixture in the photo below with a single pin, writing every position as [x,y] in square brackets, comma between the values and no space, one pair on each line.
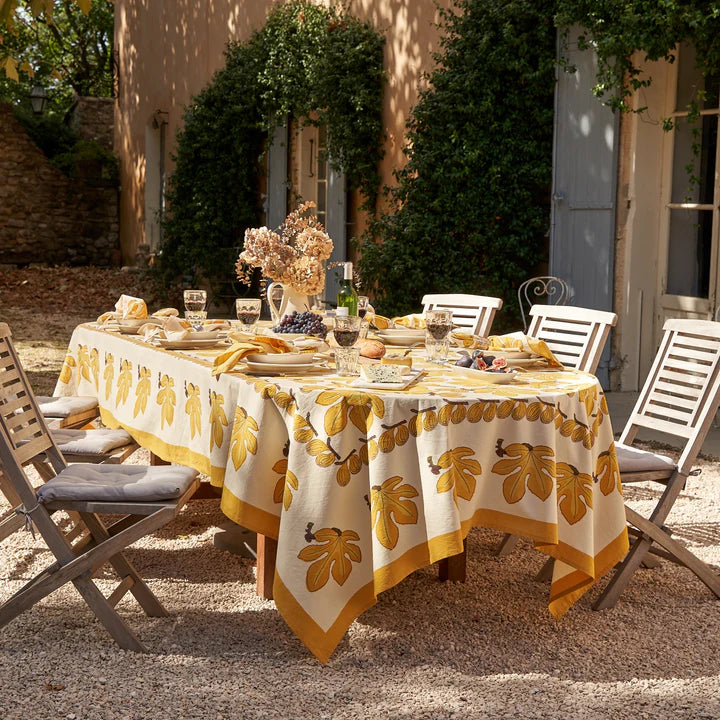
[38,99]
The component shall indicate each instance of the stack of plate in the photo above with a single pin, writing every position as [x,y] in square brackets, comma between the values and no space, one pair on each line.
[401,336]
[283,363]
[192,341]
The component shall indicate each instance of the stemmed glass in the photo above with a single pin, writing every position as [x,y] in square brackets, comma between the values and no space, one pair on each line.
[346,332]
[363,302]
[195,301]
[248,313]
[438,325]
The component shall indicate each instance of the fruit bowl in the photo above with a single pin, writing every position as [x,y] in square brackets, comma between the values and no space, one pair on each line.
[491,378]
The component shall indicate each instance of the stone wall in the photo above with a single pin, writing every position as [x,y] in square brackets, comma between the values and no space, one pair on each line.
[93,119]
[47,217]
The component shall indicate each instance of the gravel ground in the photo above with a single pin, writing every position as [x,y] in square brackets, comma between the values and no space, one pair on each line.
[487,648]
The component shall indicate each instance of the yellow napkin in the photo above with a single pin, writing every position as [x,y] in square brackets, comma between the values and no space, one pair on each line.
[414,321]
[166,312]
[245,344]
[468,340]
[379,321]
[172,328]
[126,308]
[520,341]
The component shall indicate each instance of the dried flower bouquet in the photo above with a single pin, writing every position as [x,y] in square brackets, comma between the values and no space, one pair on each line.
[294,255]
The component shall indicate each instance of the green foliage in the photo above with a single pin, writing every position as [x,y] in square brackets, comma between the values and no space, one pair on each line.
[64,148]
[470,211]
[89,159]
[48,131]
[618,29]
[314,64]
[66,51]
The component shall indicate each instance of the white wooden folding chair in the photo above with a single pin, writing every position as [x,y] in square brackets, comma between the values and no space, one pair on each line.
[679,398]
[547,289]
[146,497]
[577,337]
[475,313]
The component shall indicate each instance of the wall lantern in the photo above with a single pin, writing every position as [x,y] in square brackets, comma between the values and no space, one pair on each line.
[38,99]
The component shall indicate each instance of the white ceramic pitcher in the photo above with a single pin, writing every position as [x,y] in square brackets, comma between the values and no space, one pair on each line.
[291,300]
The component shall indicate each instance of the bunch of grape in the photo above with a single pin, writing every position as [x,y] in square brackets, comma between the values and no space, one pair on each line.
[307,323]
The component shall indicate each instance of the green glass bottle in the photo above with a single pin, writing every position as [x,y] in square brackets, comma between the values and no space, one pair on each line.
[347,295]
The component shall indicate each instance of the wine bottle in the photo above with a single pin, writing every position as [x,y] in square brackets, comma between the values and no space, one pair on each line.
[347,295]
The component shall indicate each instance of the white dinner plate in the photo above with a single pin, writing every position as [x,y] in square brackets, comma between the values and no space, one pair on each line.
[401,337]
[191,344]
[266,368]
[491,378]
[279,358]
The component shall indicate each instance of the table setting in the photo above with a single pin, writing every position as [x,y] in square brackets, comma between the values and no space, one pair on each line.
[366,461]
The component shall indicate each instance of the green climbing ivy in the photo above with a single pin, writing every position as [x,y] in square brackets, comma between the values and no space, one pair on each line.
[470,212]
[627,33]
[315,64]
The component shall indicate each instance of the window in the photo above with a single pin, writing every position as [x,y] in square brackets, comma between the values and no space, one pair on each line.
[694,195]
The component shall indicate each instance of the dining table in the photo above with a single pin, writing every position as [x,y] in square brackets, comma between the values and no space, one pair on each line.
[355,485]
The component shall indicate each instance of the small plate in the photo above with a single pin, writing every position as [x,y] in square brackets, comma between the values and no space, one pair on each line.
[266,368]
[491,378]
[537,361]
[279,358]
[188,344]
[405,383]
[510,354]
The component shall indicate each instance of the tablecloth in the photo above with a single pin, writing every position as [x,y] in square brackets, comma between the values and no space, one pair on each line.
[361,487]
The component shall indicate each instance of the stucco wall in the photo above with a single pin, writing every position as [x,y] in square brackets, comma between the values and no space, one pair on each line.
[637,261]
[169,50]
[45,216]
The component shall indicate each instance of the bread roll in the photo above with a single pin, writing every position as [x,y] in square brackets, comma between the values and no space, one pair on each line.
[370,348]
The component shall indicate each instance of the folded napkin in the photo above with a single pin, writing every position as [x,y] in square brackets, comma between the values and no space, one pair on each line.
[416,321]
[126,308]
[520,341]
[245,344]
[468,340]
[172,328]
[166,312]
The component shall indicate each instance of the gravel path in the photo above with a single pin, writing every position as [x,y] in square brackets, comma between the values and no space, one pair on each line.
[484,649]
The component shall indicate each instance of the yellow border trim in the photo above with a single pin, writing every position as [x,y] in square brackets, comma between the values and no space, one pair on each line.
[249,516]
[169,453]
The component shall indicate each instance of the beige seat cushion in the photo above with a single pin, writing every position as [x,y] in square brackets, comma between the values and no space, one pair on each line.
[633,460]
[113,483]
[90,442]
[62,407]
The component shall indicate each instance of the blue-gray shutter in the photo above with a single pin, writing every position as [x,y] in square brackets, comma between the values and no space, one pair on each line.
[582,234]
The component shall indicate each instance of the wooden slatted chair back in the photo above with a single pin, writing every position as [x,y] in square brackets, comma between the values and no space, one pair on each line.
[23,430]
[682,390]
[575,335]
[474,313]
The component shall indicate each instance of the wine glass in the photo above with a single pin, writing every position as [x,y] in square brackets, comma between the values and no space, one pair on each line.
[438,326]
[248,313]
[363,302]
[346,331]
[195,301]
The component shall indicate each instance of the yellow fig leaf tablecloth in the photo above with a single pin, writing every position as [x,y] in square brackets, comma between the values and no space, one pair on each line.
[361,487]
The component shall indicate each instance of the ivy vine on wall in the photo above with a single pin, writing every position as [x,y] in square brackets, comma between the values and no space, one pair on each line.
[470,212]
[626,33]
[315,64]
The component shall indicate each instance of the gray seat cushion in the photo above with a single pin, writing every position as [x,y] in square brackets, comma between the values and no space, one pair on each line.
[117,483]
[632,460]
[62,407]
[90,442]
